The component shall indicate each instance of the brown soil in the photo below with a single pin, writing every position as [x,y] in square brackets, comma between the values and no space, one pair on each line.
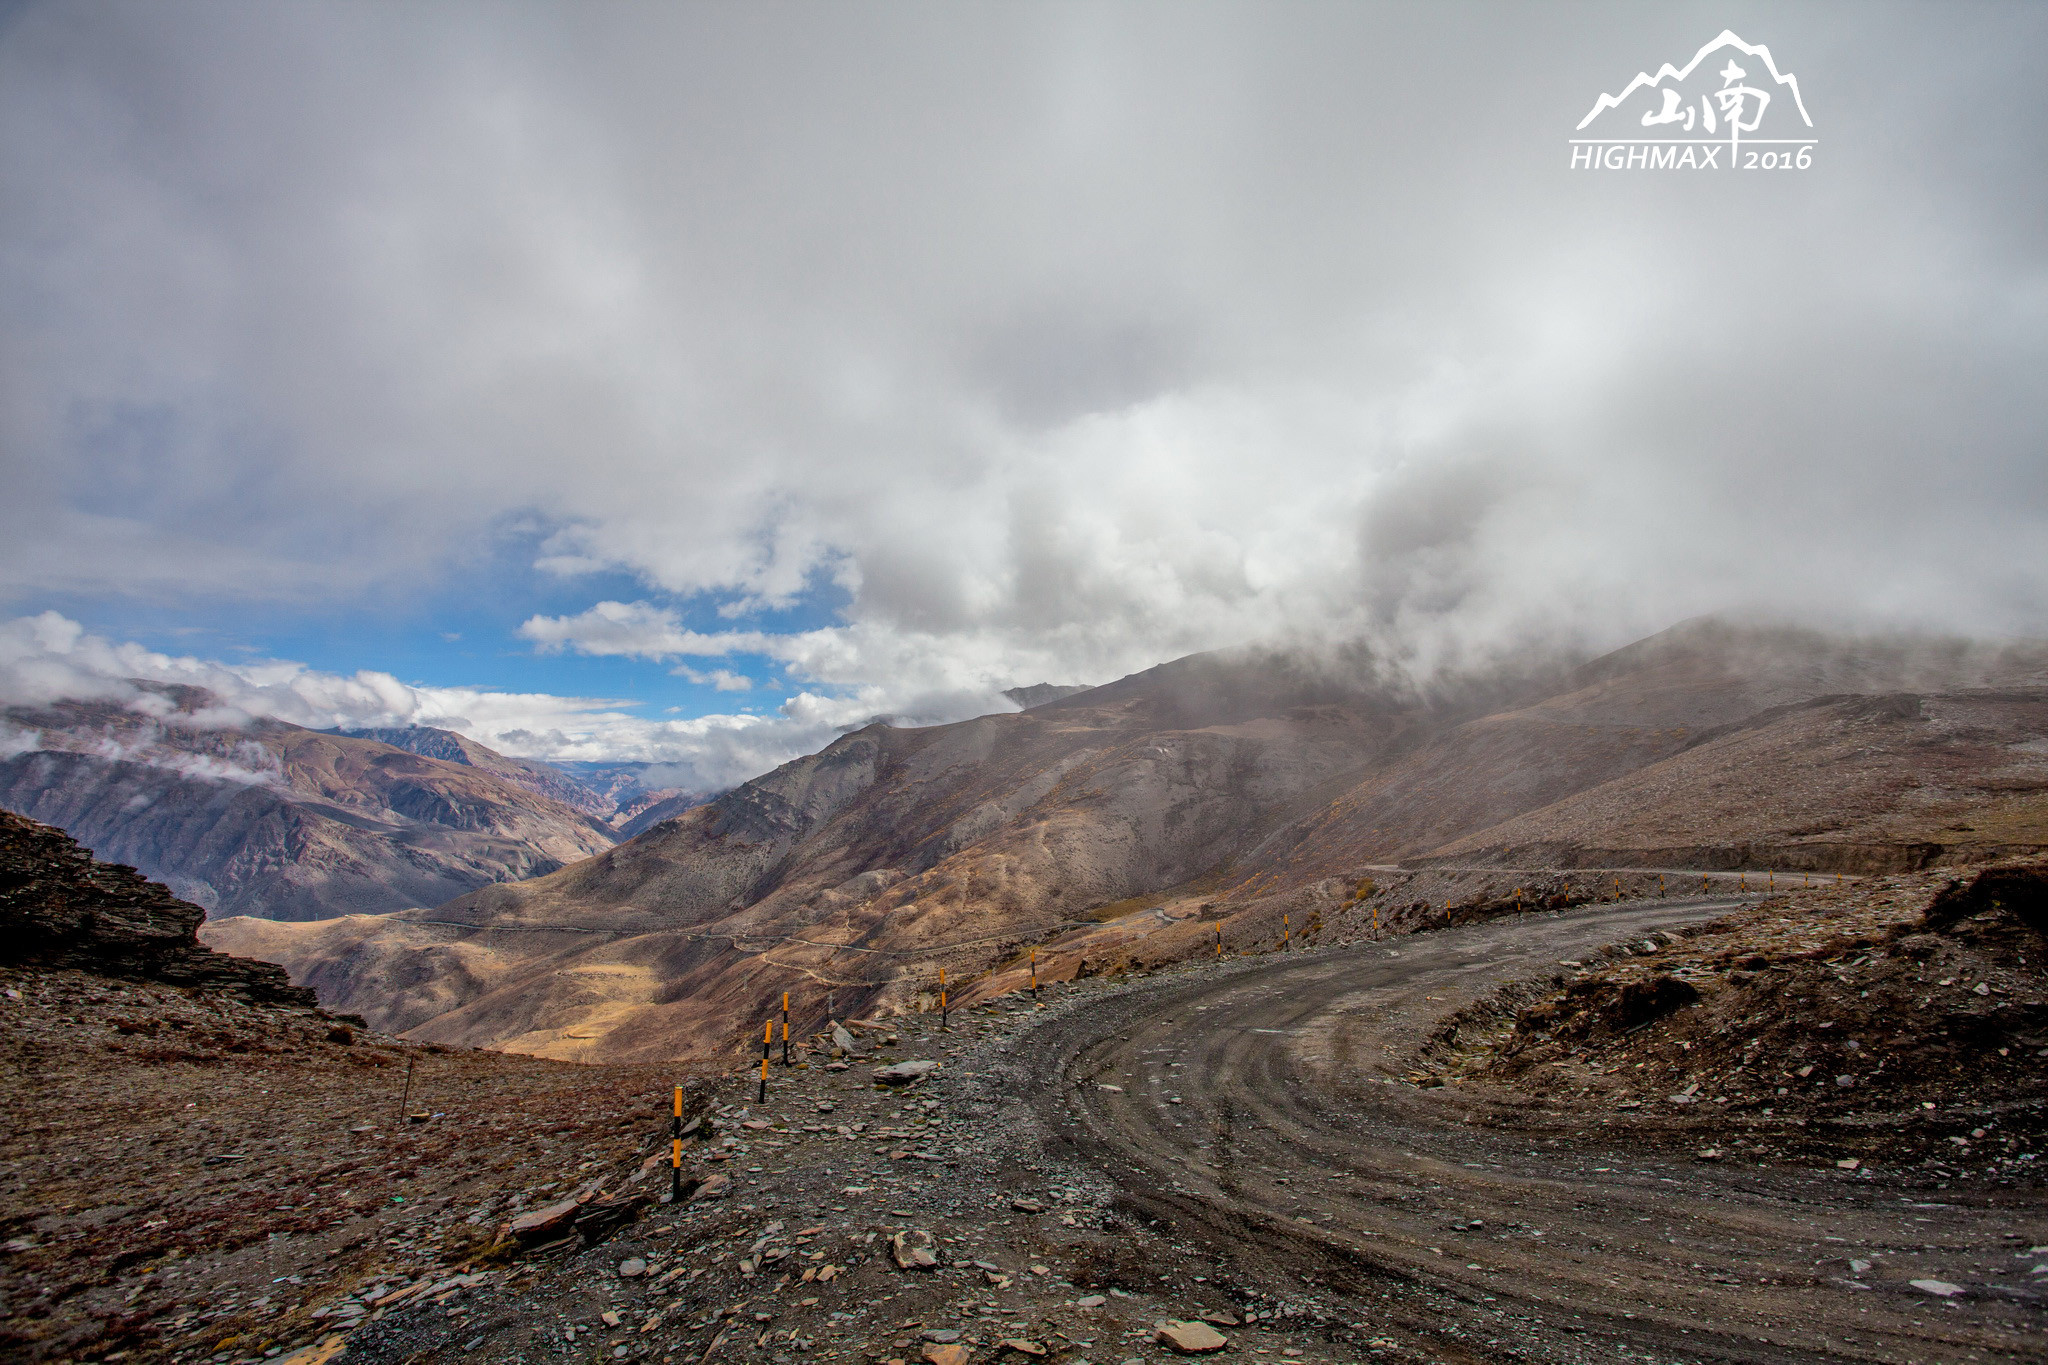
[1903,1019]
[184,1169]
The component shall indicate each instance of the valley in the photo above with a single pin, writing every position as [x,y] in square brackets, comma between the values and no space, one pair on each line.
[1230,799]
[1308,1155]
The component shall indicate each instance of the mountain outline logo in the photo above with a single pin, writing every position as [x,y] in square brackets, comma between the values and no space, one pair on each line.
[1722,112]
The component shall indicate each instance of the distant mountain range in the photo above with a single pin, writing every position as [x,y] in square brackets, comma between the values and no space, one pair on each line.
[1211,793]
[276,820]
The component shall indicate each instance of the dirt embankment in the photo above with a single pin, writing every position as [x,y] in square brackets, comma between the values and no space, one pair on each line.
[1902,1019]
[197,1160]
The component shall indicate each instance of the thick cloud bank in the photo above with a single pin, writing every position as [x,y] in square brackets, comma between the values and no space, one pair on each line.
[1051,340]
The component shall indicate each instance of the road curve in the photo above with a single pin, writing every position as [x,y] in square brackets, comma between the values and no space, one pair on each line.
[1257,1108]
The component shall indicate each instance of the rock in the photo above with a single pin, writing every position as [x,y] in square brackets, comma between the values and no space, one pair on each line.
[1027,1206]
[632,1268]
[1849,1163]
[66,909]
[1188,1338]
[1091,1301]
[545,1224]
[1941,1289]
[955,1354]
[904,1073]
[342,1034]
[1220,1318]
[913,1251]
[1021,1346]
[1113,1089]
[943,1336]
[715,1186]
[1857,1267]
[605,1214]
[610,1317]
[845,1041]
[318,1354]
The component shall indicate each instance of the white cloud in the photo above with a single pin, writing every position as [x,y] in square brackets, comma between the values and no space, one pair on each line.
[1052,341]
[49,657]
[723,679]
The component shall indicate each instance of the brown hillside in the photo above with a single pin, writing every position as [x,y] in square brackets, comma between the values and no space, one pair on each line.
[275,820]
[1227,788]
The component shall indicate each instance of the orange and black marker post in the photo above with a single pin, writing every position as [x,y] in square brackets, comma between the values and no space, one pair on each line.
[1286,934]
[767,1039]
[1034,976]
[1219,940]
[675,1151]
[785,1028]
[943,1022]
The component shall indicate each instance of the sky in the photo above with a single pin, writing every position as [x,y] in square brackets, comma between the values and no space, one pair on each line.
[684,383]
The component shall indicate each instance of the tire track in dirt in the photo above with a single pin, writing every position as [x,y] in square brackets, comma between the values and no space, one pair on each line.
[1261,1112]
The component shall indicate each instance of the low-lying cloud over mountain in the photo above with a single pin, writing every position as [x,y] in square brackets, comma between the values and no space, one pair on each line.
[50,658]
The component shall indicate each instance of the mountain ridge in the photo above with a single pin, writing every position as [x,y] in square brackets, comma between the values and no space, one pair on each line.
[269,818]
[1219,790]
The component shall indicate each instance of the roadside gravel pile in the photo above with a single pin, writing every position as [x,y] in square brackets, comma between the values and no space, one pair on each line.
[1902,1019]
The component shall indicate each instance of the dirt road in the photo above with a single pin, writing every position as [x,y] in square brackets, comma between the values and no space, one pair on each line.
[1258,1112]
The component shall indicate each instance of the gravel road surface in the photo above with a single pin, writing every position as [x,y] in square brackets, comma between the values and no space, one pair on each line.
[1259,1111]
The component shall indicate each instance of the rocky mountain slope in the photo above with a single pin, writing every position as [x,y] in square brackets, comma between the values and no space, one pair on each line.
[62,909]
[431,742]
[195,1152]
[1206,798]
[270,819]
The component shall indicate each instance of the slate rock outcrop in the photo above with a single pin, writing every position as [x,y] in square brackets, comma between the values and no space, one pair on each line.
[60,907]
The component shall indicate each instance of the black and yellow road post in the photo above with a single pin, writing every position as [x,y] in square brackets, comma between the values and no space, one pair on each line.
[767,1040]
[1662,890]
[1286,934]
[1034,978]
[785,1028]
[944,1022]
[1742,881]
[1375,923]
[675,1151]
[1219,940]
[1617,888]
